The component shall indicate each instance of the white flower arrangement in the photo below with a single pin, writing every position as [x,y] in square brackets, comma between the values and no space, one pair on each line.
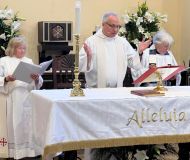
[9,27]
[141,25]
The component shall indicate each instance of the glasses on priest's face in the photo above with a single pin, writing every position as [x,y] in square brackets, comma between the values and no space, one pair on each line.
[113,26]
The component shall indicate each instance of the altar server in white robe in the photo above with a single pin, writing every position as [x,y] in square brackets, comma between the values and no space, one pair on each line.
[105,56]
[159,54]
[16,91]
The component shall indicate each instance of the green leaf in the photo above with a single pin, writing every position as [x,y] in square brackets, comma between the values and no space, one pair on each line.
[5,27]
[132,30]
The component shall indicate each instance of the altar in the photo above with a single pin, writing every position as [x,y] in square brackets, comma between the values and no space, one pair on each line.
[106,117]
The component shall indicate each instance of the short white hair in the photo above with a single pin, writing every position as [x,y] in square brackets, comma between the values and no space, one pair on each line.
[107,15]
[163,37]
[14,43]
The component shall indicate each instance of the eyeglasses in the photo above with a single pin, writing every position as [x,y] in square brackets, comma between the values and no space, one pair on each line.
[113,26]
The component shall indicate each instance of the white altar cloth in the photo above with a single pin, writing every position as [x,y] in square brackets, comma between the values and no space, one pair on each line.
[107,117]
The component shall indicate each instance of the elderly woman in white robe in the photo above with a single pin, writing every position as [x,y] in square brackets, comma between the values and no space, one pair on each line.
[159,54]
[15,92]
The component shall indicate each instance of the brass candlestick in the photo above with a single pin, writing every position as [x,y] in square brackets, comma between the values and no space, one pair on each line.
[160,87]
[77,90]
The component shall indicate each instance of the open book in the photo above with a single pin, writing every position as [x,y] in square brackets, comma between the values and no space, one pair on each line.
[152,75]
[166,72]
[24,70]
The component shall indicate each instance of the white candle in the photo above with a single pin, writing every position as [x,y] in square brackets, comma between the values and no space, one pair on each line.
[77,16]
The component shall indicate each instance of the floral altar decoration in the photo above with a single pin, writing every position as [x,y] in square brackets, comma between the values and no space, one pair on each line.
[138,26]
[141,25]
[9,27]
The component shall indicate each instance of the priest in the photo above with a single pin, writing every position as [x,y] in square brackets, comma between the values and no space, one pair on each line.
[105,56]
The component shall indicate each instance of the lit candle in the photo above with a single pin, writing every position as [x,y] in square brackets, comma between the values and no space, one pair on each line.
[77,16]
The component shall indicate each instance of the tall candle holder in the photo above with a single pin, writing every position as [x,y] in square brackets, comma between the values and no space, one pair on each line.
[77,90]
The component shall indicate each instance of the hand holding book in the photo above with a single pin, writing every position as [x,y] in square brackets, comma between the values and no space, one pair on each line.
[28,72]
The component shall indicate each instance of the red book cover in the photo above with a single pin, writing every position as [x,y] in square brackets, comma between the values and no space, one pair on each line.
[147,93]
[166,73]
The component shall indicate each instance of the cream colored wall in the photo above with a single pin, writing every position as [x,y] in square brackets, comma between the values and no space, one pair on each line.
[179,26]
[173,9]
[185,31]
[63,10]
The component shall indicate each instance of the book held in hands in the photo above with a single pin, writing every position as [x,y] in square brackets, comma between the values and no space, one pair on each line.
[24,70]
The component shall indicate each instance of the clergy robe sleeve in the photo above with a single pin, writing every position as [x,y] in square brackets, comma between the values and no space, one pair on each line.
[84,65]
[144,66]
[133,61]
[2,77]
[132,56]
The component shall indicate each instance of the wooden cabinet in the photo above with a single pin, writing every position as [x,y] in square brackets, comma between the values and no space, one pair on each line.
[48,80]
[54,39]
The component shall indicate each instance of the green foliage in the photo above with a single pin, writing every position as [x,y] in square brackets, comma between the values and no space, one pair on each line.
[9,27]
[141,25]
